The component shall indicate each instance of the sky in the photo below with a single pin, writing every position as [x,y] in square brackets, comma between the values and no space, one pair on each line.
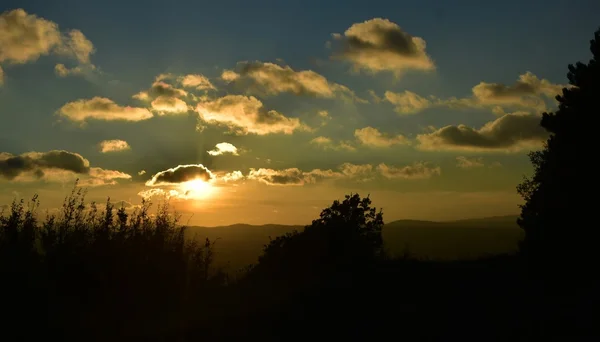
[267,111]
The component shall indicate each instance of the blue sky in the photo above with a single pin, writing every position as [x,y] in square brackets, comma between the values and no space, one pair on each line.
[426,169]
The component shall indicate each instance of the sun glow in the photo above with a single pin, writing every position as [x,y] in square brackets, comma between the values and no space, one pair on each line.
[198,189]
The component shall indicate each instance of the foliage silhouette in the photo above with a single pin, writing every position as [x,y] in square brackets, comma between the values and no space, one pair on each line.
[85,274]
[556,216]
[346,234]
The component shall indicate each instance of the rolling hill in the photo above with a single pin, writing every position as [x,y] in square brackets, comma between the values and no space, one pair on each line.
[240,244]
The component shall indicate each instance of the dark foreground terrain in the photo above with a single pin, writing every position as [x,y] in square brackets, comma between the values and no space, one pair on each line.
[102,274]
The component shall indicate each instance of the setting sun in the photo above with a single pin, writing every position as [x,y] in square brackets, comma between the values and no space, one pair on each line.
[198,189]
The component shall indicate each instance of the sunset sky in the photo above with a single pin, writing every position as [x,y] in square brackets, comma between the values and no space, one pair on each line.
[266,111]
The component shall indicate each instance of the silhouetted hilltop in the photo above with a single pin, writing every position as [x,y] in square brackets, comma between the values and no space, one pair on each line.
[452,240]
[241,244]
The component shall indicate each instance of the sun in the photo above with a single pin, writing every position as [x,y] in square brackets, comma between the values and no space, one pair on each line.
[198,189]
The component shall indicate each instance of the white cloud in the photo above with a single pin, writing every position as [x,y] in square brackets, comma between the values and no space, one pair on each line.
[223,148]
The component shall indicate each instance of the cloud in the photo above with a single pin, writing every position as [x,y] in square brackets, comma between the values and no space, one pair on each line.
[321,141]
[77,45]
[419,170]
[407,102]
[469,163]
[113,146]
[361,171]
[281,177]
[246,114]
[525,92]
[372,137]
[141,173]
[200,82]
[167,104]
[292,176]
[164,98]
[222,148]
[528,92]
[328,144]
[62,71]
[101,108]
[297,177]
[272,79]
[12,166]
[181,174]
[374,97]
[231,176]
[379,45]
[25,37]
[99,177]
[509,133]
[55,165]
[160,88]
[150,193]
[323,114]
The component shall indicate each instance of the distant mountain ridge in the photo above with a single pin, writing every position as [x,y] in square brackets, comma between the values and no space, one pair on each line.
[239,245]
[489,219]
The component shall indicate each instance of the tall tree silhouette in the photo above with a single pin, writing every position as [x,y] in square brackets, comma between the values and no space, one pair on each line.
[558,215]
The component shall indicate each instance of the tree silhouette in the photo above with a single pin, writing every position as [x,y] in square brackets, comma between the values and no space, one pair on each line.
[346,235]
[558,215]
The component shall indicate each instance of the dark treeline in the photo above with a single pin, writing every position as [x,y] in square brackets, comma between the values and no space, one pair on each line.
[99,273]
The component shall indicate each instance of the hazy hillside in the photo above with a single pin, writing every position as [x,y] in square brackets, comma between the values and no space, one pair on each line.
[241,244]
[453,239]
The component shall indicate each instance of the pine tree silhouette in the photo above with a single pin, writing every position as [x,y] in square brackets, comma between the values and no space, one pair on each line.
[558,215]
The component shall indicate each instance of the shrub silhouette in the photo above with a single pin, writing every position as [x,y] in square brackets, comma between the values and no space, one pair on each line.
[88,275]
[556,216]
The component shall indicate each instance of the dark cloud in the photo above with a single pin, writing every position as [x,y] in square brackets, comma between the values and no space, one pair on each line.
[291,176]
[12,166]
[56,166]
[510,133]
[160,88]
[180,174]
[380,45]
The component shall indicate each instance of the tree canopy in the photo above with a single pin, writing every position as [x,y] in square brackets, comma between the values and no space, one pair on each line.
[558,215]
[346,234]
